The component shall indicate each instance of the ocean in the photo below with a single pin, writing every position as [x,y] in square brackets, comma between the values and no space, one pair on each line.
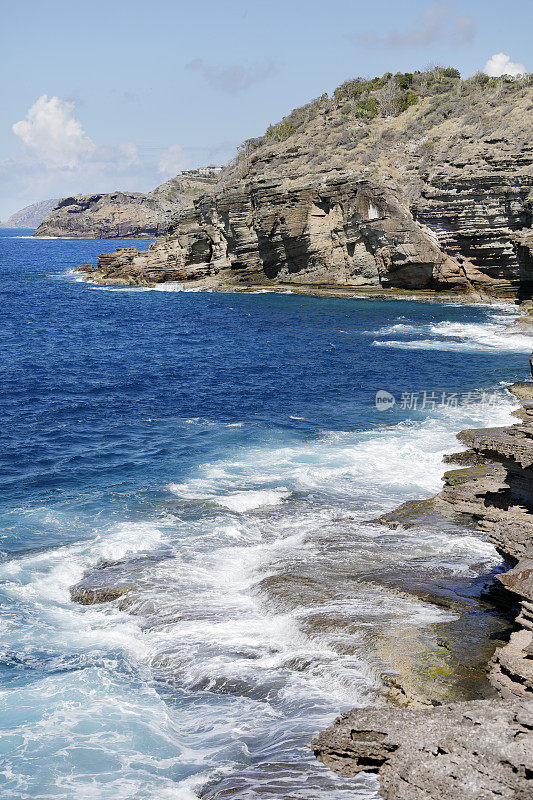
[218,456]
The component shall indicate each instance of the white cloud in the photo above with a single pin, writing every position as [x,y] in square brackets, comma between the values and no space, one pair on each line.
[172,161]
[53,135]
[501,64]
[59,159]
[130,153]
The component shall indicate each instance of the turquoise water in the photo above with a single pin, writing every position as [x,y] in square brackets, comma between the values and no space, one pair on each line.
[223,450]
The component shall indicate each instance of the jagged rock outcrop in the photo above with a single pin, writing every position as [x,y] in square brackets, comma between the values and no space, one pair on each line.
[438,196]
[30,216]
[118,215]
[463,751]
[500,497]
[480,749]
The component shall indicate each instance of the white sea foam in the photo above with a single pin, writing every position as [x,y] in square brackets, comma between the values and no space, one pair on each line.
[263,625]
[231,618]
[246,501]
[176,286]
[392,463]
[489,336]
[238,501]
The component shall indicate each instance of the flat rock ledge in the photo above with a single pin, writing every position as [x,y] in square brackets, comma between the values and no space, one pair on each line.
[470,751]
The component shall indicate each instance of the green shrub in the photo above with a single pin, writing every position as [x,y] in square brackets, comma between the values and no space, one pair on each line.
[407,99]
[281,131]
[404,79]
[439,88]
[449,72]
[480,78]
[367,109]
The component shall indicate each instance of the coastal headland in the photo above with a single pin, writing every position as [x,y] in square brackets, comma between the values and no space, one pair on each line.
[415,182]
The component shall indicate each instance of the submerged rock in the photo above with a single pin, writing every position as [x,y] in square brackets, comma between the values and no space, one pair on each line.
[110,580]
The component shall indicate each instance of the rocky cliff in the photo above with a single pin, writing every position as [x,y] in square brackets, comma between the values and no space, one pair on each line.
[481,749]
[410,181]
[30,216]
[123,214]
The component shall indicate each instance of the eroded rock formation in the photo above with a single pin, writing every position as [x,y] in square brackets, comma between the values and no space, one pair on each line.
[470,751]
[344,233]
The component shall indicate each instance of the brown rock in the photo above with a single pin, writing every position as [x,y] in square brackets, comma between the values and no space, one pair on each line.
[118,215]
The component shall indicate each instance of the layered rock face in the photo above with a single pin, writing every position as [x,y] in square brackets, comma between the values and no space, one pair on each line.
[437,197]
[342,232]
[481,220]
[123,214]
[481,749]
[501,500]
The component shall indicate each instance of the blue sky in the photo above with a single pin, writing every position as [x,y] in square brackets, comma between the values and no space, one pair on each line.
[136,90]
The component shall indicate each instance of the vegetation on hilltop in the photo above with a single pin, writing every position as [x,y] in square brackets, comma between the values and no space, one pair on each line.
[390,95]
[419,101]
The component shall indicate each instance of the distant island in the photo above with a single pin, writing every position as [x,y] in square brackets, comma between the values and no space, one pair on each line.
[115,215]
[30,216]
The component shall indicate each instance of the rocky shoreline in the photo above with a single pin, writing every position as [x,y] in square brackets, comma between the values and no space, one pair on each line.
[483,748]
[429,743]
[337,233]
[431,203]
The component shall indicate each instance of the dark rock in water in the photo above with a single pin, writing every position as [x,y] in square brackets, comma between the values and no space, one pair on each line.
[468,751]
[415,513]
[466,458]
[98,586]
[110,580]
[90,595]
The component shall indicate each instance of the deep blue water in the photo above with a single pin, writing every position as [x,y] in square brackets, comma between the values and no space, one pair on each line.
[223,436]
